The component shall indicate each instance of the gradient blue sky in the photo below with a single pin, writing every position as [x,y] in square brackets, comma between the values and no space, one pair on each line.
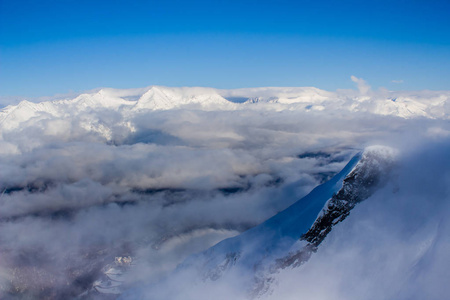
[57,46]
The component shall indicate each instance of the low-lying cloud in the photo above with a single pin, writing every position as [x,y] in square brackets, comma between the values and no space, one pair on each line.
[79,189]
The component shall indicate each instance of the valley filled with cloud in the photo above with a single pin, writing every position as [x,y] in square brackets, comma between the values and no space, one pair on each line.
[105,194]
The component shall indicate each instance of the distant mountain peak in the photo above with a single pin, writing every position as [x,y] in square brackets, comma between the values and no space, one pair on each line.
[132,102]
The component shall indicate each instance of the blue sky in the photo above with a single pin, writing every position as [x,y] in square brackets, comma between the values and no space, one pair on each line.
[57,46]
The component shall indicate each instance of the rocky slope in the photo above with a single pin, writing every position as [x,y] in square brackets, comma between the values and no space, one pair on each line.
[289,238]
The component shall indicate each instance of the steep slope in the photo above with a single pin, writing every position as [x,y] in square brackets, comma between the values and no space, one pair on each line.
[289,238]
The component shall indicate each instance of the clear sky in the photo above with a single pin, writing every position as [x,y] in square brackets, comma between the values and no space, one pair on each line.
[57,46]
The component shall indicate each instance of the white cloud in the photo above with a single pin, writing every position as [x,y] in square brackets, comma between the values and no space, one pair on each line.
[363,86]
[77,181]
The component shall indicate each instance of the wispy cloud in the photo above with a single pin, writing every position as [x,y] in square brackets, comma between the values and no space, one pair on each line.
[397,81]
[363,86]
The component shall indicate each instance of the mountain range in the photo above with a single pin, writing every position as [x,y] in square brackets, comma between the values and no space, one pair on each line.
[174,193]
[129,102]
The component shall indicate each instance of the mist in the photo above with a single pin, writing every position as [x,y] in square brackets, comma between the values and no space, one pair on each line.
[81,188]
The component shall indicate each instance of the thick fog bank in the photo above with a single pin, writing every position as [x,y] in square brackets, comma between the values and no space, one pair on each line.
[79,189]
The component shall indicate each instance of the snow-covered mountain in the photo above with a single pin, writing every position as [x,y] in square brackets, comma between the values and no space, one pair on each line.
[157,174]
[130,102]
[289,238]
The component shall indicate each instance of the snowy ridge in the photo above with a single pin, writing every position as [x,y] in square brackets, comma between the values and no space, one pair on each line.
[129,102]
[368,175]
[161,98]
[270,246]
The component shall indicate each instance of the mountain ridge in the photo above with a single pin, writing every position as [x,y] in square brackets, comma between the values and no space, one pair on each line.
[425,104]
[290,237]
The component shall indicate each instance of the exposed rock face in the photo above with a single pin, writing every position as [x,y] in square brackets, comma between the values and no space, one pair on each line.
[368,175]
[357,186]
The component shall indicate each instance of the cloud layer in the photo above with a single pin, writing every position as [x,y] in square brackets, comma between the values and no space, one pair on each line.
[83,181]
